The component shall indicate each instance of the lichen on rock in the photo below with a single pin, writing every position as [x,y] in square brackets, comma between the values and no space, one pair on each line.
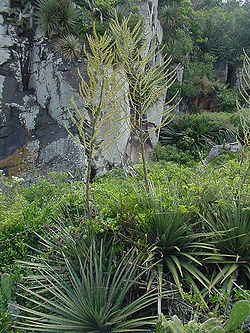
[22,160]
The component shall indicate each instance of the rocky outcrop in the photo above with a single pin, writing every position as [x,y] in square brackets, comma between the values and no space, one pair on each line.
[222,71]
[218,149]
[34,97]
[155,34]
[36,86]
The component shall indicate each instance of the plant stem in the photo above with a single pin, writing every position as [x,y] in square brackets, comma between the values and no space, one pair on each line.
[92,150]
[145,171]
[89,168]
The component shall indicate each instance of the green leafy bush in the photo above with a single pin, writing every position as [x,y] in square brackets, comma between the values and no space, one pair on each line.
[6,294]
[120,204]
[20,3]
[84,24]
[101,12]
[181,28]
[179,46]
[193,133]
[5,317]
[199,79]
[224,31]
[125,212]
[120,200]
[239,313]
[171,153]
[25,210]
[226,100]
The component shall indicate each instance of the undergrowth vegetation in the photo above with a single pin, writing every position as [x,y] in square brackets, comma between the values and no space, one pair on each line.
[186,241]
[188,138]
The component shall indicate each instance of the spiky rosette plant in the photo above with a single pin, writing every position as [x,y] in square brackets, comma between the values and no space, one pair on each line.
[170,17]
[55,16]
[89,297]
[231,234]
[70,46]
[181,247]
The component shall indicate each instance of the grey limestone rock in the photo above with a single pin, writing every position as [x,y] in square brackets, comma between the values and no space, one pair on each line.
[217,150]
[34,96]
[154,31]
[222,71]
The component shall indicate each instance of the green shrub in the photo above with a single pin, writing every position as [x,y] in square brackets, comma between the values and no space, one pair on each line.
[198,79]
[175,186]
[17,231]
[20,3]
[6,295]
[129,8]
[5,317]
[238,314]
[226,100]
[221,302]
[84,24]
[193,133]
[25,210]
[171,153]
[101,12]
[126,203]
[121,201]
[122,208]
[179,46]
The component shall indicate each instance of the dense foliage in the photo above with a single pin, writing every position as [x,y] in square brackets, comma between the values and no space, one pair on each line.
[208,38]
[175,223]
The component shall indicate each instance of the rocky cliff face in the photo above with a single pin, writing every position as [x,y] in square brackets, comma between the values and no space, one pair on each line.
[36,86]
[35,91]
